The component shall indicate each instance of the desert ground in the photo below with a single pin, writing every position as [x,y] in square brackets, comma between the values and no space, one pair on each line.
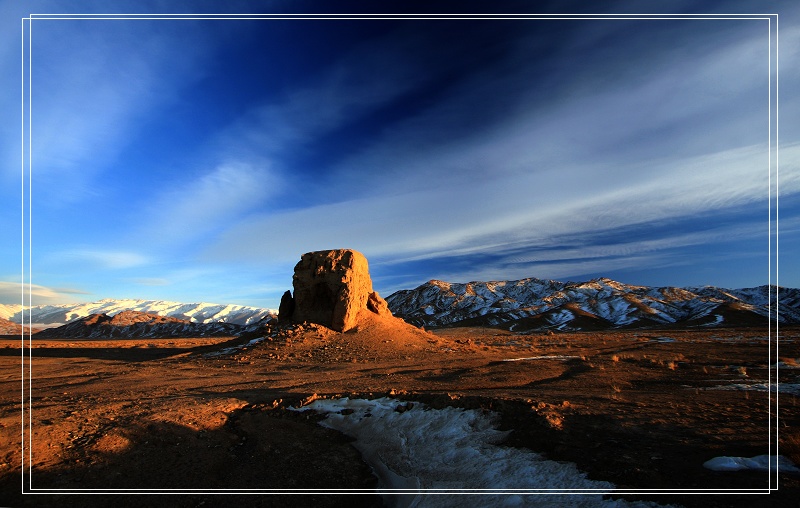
[643,409]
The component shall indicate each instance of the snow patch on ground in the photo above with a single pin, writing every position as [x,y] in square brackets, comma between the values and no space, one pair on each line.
[758,463]
[416,451]
[791,388]
[234,349]
[547,357]
[664,340]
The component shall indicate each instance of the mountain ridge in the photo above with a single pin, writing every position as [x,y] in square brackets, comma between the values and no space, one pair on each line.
[517,305]
[601,303]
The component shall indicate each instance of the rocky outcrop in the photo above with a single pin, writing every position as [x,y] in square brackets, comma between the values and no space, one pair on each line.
[286,308]
[378,305]
[331,287]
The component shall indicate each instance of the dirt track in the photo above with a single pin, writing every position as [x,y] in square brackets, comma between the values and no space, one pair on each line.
[641,409]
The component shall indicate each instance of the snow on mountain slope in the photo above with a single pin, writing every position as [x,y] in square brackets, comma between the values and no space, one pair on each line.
[8,311]
[194,312]
[596,304]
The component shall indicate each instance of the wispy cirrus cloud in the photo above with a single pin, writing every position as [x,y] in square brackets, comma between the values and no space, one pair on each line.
[247,165]
[187,211]
[95,258]
[12,293]
[489,218]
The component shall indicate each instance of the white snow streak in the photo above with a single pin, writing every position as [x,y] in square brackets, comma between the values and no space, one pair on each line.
[546,357]
[758,463]
[415,450]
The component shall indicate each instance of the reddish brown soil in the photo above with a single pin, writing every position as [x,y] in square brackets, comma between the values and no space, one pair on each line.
[625,406]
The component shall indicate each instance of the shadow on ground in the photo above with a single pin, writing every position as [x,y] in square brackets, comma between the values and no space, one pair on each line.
[255,448]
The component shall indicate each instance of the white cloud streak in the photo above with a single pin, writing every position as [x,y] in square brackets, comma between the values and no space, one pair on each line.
[667,108]
[428,223]
[11,293]
[212,200]
[105,259]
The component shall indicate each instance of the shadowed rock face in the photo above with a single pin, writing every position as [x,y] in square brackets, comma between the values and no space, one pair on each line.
[331,287]
[286,308]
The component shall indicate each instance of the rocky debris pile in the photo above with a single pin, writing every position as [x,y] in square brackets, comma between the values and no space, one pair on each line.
[294,341]
[375,338]
[331,288]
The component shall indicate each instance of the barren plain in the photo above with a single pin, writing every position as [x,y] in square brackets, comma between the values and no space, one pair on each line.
[643,409]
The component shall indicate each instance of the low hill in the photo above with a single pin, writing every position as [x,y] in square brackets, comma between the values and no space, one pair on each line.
[134,324]
[10,328]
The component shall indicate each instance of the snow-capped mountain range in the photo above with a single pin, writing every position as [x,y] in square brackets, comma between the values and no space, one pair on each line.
[518,305]
[204,313]
[535,304]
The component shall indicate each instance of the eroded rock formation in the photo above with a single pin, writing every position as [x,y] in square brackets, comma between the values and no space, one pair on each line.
[331,287]
[286,308]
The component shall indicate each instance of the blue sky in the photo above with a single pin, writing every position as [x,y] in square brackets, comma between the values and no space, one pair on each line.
[196,160]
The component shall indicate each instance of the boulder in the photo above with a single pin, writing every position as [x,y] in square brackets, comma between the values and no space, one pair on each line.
[331,287]
[378,305]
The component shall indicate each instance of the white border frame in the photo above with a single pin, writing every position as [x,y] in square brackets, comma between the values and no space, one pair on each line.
[26,265]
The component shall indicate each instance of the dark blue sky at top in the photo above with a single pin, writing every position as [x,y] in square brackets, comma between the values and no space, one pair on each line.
[198,159]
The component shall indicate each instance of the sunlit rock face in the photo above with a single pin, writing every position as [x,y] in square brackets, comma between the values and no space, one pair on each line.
[331,287]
